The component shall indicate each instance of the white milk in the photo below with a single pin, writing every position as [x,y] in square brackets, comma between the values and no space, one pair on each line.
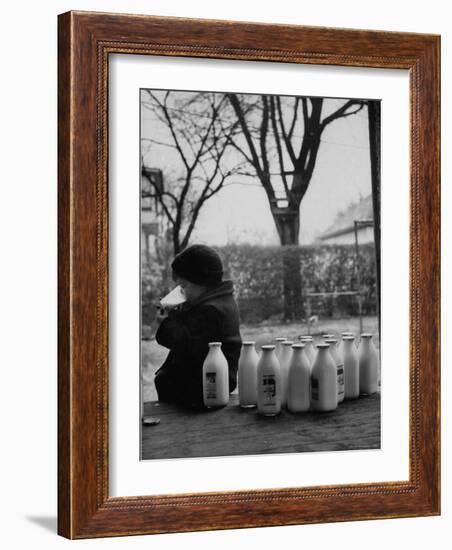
[324,381]
[340,347]
[351,367]
[339,366]
[299,380]
[215,377]
[309,348]
[268,382]
[284,360]
[247,375]
[368,365]
[278,342]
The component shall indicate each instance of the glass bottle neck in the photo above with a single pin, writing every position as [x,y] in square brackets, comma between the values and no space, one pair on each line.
[214,349]
[366,342]
[247,349]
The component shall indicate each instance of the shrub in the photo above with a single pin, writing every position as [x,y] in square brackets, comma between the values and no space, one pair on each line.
[257,273]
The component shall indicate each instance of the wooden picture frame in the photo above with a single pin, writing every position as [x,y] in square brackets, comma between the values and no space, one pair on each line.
[85,42]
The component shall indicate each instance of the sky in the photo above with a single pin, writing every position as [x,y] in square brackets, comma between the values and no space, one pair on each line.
[240,212]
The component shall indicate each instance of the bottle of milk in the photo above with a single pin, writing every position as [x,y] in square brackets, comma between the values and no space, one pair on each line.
[351,367]
[339,366]
[284,361]
[340,347]
[368,365]
[309,348]
[215,377]
[268,382]
[247,375]
[324,380]
[278,342]
[299,380]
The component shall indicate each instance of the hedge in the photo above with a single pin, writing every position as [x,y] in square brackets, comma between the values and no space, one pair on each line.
[257,273]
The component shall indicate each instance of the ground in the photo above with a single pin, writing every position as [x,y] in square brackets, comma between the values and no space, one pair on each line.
[153,354]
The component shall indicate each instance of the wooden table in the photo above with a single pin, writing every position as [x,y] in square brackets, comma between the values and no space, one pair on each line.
[355,424]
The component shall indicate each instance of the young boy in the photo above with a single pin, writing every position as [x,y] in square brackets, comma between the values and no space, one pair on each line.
[210,314]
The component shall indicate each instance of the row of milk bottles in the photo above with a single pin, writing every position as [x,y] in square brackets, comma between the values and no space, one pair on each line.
[300,376]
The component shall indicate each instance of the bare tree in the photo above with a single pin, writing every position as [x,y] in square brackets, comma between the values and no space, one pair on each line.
[280,139]
[196,141]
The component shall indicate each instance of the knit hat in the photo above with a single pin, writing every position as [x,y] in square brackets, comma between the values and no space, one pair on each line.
[199,264]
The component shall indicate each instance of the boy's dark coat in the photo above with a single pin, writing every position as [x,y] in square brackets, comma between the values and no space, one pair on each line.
[213,317]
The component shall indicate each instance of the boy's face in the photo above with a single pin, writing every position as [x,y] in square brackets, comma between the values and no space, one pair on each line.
[191,290]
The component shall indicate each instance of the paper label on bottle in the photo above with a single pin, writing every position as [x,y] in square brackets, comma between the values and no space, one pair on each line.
[314,389]
[269,389]
[211,385]
[340,379]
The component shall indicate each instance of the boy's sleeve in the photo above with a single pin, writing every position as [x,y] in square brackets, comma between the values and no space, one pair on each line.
[190,339]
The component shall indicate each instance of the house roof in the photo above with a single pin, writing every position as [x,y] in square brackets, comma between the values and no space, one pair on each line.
[345,221]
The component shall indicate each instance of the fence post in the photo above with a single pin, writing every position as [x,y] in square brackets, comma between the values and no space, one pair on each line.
[358,277]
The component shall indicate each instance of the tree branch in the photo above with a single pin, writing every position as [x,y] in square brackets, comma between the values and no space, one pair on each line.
[169,124]
[160,199]
[287,140]
[263,135]
[243,124]
[342,112]
[294,119]
[278,142]
[156,142]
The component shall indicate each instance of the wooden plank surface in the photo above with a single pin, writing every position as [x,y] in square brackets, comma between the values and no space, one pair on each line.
[355,424]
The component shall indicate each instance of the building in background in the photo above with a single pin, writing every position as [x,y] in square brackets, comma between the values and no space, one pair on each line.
[342,231]
[151,184]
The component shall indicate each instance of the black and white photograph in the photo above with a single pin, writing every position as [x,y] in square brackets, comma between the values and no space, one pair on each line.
[260,285]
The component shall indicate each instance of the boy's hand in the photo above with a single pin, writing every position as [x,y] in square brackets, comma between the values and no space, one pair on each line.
[162,314]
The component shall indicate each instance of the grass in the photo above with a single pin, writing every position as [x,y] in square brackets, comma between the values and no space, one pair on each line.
[153,355]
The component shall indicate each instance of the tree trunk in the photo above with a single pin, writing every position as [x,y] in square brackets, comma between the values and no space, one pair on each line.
[176,241]
[293,299]
[374,141]
[288,225]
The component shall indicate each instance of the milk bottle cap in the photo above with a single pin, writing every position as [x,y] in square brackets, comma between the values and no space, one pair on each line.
[300,345]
